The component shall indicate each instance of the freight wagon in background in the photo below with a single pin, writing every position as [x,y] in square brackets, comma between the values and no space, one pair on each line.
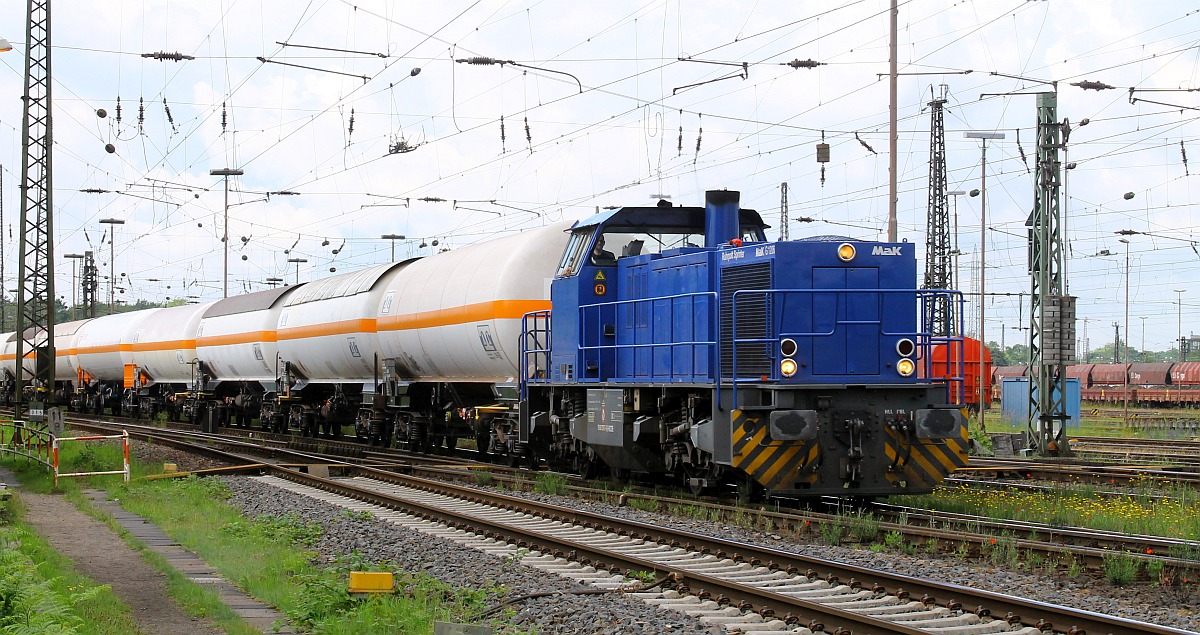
[1156,384]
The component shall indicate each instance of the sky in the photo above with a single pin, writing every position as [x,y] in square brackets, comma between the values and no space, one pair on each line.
[364,111]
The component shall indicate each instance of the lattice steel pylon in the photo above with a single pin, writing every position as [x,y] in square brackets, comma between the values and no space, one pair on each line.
[1052,312]
[937,238]
[35,294]
[90,283]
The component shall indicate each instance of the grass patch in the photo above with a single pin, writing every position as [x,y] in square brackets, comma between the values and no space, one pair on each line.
[271,558]
[1075,506]
[1121,569]
[483,477]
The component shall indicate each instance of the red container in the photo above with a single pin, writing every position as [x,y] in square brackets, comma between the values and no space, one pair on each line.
[1156,374]
[946,364]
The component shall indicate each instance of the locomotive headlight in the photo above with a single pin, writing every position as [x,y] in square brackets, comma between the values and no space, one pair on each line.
[906,347]
[846,252]
[905,367]
[787,367]
[788,347]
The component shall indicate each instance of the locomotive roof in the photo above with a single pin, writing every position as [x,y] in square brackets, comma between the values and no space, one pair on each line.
[662,216]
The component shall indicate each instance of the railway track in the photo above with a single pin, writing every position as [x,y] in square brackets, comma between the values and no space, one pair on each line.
[1174,451]
[973,535]
[713,577]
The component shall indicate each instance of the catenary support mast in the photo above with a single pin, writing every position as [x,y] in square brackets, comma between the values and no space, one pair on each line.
[1052,312]
[35,293]
[937,237]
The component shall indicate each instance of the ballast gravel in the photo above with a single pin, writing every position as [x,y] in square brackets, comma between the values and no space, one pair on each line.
[463,567]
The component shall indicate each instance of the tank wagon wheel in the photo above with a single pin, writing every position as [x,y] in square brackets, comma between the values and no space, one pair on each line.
[451,443]
[584,466]
[362,428]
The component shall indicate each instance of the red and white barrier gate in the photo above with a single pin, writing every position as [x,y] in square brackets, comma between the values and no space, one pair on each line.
[124,437]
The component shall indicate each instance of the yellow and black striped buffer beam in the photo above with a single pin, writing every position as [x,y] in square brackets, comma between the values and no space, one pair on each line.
[925,461]
[773,464]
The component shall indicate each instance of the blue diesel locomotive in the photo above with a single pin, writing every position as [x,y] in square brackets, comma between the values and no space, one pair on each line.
[705,352]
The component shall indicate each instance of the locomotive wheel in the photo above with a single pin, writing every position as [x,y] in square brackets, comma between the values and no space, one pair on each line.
[483,442]
[451,443]
[749,491]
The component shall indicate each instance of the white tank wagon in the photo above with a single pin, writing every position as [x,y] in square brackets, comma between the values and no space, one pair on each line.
[236,339]
[456,316]
[164,349]
[104,345]
[449,334]
[104,352]
[65,342]
[64,367]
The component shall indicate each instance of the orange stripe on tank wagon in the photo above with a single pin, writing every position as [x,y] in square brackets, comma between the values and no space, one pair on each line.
[252,337]
[168,345]
[342,327]
[497,309]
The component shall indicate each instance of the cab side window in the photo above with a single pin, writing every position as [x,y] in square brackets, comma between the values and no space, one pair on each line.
[575,253]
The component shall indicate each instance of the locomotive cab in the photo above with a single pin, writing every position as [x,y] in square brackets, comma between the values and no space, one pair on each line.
[605,267]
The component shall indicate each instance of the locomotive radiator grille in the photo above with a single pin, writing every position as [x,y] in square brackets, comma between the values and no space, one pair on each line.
[753,319]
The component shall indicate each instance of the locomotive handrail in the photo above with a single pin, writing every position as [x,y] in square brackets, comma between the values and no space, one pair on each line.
[526,353]
[714,319]
[924,340]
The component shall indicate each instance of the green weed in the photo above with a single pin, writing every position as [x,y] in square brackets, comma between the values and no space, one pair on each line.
[548,483]
[1121,569]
